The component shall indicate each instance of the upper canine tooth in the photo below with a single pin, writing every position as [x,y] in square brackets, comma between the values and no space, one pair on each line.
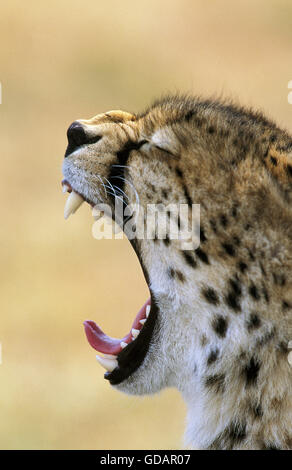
[73,202]
[123,344]
[143,321]
[148,310]
[108,364]
[135,332]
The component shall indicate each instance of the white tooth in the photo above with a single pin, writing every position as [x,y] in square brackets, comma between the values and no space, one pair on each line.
[109,356]
[73,202]
[123,345]
[148,310]
[135,332]
[108,364]
[143,321]
[65,188]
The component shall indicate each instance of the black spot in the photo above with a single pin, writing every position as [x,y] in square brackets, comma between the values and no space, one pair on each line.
[266,295]
[220,325]
[266,337]
[270,447]
[235,285]
[274,161]
[202,255]
[211,130]
[253,292]
[289,170]
[166,240]
[203,237]
[236,240]
[234,210]
[189,115]
[164,193]
[179,172]
[251,372]
[175,274]
[229,249]
[180,276]
[263,269]
[283,347]
[285,305]
[253,322]
[171,272]
[189,259]
[224,220]
[203,340]
[232,301]
[213,356]
[257,411]
[279,279]
[232,435]
[210,295]
[215,382]
[251,255]
[242,266]
[187,196]
[237,432]
[213,225]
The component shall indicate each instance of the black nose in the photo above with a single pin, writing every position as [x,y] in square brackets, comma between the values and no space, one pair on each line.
[76,135]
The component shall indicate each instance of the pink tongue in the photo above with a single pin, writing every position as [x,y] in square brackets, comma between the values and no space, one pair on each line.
[104,343]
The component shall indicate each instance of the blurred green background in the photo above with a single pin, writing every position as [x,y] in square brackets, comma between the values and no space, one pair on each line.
[63,60]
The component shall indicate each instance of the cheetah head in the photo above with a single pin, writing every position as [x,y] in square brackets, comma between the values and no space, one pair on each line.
[119,156]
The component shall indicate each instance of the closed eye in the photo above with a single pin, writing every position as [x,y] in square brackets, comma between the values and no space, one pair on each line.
[164,150]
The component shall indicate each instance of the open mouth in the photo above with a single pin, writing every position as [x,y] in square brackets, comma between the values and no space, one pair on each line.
[119,356]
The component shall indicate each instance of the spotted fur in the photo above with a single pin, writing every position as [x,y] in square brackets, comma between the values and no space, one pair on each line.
[224,310]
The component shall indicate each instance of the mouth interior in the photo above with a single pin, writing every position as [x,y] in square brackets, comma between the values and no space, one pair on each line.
[113,346]
[121,356]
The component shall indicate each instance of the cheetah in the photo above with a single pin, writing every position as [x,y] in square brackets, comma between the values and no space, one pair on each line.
[218,323]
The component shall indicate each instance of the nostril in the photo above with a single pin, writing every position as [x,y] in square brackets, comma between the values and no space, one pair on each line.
[76,135]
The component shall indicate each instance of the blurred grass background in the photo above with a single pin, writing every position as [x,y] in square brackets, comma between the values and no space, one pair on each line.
[64,60]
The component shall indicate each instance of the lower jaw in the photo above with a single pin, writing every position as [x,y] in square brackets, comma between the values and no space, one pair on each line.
[131,358]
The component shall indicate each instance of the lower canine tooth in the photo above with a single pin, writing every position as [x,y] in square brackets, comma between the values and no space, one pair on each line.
[148,310]
[73,202]
[108,364]
[143,321]
[135,332]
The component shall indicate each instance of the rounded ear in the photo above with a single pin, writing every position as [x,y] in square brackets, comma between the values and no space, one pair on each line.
[120,116]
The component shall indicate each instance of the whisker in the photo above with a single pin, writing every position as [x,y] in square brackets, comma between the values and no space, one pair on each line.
[100,179]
